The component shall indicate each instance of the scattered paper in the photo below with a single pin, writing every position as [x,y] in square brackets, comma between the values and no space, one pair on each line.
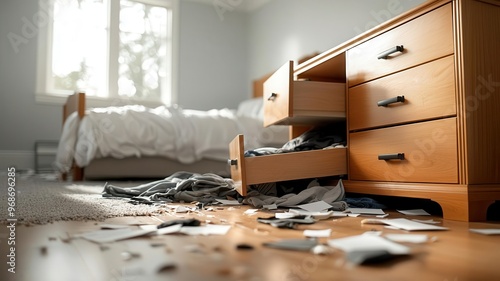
[106,236]
[431,221]
[368,242]
[285,215]
[408,238]
[486,231]
[343,214]
[316,215]
[181,209]
[405,224]
[414,212]
[365,211]
[315,206]
[209,229]
[251,211]
[317,233]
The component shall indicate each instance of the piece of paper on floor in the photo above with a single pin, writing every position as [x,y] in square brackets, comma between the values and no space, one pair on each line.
[209,229]
[285,215]
[315,206]
[408,238]
[343,214]
[228,202]
[106,236]
[317,233]
[251,211]
[411,225]
[365,211]
[368,242]
[431,221]
[486,231]
[317,215]
[414,212]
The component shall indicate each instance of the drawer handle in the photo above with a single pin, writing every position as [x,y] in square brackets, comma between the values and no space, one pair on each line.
[232,162]
[392,156]
[272,97]
[393,50]
[391,100]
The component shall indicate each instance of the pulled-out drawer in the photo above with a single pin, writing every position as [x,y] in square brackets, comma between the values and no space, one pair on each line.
[422,152]
[247,171]
[423,39]
[301,102]
[421,93]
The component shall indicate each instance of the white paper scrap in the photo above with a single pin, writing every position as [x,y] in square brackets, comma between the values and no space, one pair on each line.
[365,211]
[486,231]
[315,206]
[342,214]
[411,225]
[106,236]
[285,215]
[414,212]
[408,238]
[317,233]
[251,211]
[317,215]
[209,229]
[368,242]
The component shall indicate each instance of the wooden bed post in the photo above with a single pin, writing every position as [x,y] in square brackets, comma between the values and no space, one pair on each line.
[75,102]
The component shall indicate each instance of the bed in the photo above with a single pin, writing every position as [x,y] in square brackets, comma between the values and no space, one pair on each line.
[133,141]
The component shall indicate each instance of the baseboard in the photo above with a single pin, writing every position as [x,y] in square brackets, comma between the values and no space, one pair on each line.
[20,159]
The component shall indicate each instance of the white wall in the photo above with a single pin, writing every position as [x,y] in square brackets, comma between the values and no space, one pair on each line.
[219,56]
[290,29]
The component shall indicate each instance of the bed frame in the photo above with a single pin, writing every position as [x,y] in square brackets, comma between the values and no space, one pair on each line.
[140,168]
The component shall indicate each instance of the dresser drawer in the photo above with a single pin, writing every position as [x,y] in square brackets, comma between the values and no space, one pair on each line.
[429,148]
[425,38]
[247,171]
[301,102]
[420,93]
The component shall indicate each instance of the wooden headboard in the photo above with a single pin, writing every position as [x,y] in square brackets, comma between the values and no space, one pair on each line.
[75,102]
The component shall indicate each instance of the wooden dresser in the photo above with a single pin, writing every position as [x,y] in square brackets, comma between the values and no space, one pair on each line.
[422,106]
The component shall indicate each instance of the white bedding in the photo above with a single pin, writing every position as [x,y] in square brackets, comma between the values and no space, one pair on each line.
[173,132]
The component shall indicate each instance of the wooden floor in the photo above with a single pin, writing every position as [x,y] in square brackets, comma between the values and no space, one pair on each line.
[44,252]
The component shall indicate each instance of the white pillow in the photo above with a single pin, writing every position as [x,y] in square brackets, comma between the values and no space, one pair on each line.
[252,108]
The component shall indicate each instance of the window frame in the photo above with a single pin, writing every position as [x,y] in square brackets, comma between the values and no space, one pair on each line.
[44,95]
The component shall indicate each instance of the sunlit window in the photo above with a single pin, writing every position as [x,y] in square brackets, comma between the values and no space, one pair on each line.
[110,49]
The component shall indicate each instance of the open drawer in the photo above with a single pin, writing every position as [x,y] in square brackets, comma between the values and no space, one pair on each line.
[247,171]
[287,101]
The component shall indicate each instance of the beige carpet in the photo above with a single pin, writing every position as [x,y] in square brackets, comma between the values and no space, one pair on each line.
[41,200]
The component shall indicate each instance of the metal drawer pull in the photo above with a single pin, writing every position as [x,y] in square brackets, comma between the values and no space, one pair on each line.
[232,162]
[385,54]
[393,156]
[272,96]
[391,100]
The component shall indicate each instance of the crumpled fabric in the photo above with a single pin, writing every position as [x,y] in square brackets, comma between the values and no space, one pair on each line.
[179,187]
[316,138]
[333,195]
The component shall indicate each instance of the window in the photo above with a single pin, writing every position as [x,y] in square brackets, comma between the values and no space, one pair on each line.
[110,49]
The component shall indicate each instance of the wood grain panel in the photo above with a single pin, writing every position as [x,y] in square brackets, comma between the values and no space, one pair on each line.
[425,38]
[430,150]
[428,90]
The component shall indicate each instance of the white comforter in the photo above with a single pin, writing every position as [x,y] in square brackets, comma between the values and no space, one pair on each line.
[184,135]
